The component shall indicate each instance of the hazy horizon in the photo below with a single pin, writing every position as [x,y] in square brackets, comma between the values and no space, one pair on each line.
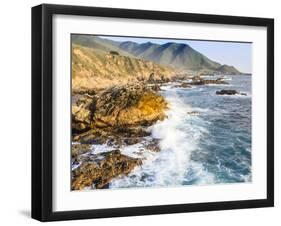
[237,54]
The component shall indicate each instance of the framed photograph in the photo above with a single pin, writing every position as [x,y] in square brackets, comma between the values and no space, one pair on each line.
[145,112]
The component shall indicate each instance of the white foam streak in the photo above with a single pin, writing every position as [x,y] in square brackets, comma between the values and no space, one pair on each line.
[179,136]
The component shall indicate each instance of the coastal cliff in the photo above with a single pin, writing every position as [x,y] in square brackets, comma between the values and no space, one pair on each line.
[95,69]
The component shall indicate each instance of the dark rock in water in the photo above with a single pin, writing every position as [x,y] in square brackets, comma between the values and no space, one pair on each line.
[184,85]
[227,92]
[100,172]
[197,80]
[193,113]
[153,145]
[131,141]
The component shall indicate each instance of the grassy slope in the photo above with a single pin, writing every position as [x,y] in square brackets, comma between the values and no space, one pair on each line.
[176,55]
[96,68]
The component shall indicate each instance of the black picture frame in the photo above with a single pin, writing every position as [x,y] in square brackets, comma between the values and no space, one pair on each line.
[42,111]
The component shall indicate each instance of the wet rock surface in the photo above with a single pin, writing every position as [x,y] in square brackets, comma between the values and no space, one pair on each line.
[229,92]
[117,117]
[183,85]
[193,113]
[112,136]
[97,171]
[78,149]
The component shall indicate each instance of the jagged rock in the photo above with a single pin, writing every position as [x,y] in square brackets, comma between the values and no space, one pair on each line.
[133,140]
[129,105]
[112,136]
[100,170]
[153,145]
[78,149]
[125,106]
[82,110]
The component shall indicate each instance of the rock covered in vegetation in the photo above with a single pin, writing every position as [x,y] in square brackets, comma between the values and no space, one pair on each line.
[99,170]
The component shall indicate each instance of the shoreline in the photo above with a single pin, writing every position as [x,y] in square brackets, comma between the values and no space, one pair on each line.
[125,138]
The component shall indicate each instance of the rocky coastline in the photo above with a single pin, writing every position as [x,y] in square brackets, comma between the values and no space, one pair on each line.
[117,117]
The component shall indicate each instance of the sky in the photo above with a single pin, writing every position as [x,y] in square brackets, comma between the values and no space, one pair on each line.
[237,54]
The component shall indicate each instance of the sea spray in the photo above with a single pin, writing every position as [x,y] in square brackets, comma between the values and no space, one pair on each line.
[179,135]
[205,139]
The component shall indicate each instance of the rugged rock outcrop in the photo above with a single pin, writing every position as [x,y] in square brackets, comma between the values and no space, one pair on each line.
[130,105]
[117,116]
[125,106]
[98,170]
[79,149]
[82,112]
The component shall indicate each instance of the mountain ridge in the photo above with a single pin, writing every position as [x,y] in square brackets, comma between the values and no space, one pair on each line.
[179,56]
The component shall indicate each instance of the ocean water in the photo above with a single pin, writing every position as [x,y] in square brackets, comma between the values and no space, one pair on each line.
[206,139]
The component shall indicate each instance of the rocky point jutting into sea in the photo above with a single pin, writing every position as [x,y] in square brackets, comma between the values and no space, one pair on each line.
[137,121]
[116,116]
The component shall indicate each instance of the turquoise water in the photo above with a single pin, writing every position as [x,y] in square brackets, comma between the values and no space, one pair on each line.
[206,139]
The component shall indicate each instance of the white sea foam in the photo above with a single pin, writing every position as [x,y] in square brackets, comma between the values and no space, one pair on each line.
[227,79]
[202,176]
[227,85]
[179,136]
[239,95]
[101,148]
